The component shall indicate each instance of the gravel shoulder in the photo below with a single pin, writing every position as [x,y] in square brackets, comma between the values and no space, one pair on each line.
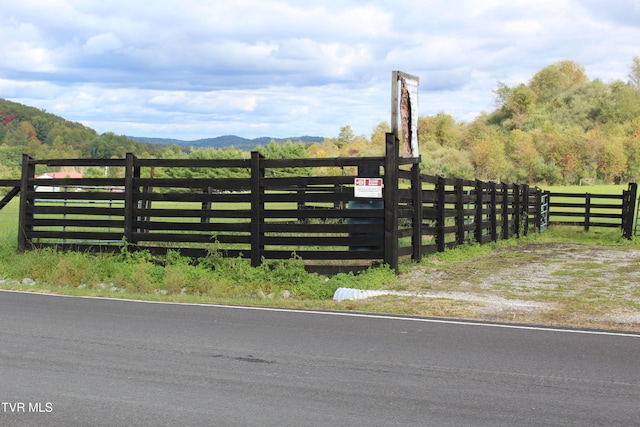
[554,284]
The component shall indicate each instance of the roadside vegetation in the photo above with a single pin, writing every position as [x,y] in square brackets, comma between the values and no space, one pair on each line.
[138,274]
[562,277]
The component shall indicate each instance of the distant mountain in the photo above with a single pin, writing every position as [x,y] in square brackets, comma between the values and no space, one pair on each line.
[225,141]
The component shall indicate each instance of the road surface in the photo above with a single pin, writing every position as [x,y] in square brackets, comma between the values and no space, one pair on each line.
[68,361]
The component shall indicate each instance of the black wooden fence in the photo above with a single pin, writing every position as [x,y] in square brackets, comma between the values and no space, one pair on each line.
[274,209]
[588,210]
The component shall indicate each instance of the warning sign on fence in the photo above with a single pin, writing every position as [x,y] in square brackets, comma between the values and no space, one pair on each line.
[368,187]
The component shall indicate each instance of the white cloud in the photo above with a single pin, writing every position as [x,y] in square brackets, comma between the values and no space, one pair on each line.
[195,68]
[102,43]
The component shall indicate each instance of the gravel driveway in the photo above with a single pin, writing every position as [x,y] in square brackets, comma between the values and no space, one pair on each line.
[547,283]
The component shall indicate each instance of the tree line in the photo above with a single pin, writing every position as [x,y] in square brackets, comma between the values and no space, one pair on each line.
[557,128]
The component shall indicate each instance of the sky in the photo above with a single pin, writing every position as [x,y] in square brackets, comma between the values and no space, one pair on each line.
[193,69]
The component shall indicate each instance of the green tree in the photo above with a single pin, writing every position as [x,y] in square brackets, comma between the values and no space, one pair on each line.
[11,161]
[552,80]
[286,150]
[632,150]
[42,126]
[449,162]
[378,137]
[442,129]
[110,145]
[502,93]
[520,102]
[579,105]
[634,74]
[345,137]
[621,104]
[16,136]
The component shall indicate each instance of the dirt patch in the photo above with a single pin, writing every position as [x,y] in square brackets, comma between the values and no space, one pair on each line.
[548,283]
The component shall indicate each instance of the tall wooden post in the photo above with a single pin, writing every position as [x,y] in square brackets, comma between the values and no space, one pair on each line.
[391,202]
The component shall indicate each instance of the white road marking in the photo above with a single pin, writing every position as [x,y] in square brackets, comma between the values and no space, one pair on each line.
[349,314]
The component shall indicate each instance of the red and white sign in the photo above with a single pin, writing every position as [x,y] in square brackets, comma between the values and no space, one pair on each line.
[368,187]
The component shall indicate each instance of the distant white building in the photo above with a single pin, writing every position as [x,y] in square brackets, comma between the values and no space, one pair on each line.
[55,175]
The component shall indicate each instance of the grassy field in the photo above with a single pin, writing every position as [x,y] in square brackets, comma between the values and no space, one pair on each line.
[563,277]
[9,224]
[597,213]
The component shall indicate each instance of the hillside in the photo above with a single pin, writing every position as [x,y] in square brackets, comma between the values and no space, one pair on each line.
[29,130]
[226,141]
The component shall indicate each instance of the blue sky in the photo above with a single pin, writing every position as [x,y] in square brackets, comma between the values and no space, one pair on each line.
[191,69]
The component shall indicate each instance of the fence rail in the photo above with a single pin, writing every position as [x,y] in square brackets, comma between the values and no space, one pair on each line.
[276,208]
[594,210]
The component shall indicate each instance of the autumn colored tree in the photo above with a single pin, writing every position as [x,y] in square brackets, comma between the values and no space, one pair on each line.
[608,156]
[632,150]
[528,165]
[488,156]
[378,137]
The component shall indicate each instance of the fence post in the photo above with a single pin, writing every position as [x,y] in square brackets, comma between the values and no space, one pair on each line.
[479,200]
[25,219]
[416,188]
[587,211]
[206,205]
[440,217]
[629,210]
[525,209]
[129,208]
[505,211]
[257,208]
[494,212]
[391,202]
[516,209]
[538,211]
[548,213]
[459,211]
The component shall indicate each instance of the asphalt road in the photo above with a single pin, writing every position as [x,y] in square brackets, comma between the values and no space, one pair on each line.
[96,362]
